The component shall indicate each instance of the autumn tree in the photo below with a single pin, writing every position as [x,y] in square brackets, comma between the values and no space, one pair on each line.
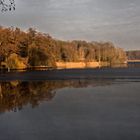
[38,49]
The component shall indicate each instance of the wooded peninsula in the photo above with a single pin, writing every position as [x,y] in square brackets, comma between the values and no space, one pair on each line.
[25,49]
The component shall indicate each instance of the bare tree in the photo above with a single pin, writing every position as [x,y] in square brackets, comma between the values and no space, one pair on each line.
[7,5]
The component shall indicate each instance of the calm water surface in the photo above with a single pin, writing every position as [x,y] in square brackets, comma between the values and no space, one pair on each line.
[100,104]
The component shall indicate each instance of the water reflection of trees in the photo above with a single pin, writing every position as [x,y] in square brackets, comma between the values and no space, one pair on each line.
[16,94]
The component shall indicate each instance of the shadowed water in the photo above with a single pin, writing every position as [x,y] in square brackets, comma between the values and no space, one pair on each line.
[100,104]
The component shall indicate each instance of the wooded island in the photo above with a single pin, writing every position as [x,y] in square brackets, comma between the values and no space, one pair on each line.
[22,50]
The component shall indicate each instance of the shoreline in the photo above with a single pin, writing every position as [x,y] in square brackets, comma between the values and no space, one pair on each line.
[68,65]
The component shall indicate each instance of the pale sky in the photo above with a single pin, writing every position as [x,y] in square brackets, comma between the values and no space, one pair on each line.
[117,21]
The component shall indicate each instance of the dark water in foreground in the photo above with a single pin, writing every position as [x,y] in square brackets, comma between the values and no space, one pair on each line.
[100,104]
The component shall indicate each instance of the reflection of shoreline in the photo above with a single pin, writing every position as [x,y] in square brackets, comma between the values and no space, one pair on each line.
[16,94]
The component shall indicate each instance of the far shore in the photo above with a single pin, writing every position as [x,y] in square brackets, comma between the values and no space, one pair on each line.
[133,61]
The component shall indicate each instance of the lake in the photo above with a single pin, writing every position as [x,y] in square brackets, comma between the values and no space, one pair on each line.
[75,104]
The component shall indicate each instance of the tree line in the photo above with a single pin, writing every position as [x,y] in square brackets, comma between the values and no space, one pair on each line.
[31,48]
[133,55]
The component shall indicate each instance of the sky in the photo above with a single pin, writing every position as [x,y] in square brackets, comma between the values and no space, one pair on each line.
[117,21]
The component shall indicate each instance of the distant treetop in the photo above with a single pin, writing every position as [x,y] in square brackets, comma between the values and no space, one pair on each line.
[7,5]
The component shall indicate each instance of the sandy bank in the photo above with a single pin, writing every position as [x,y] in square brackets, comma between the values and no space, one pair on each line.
[77,64]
